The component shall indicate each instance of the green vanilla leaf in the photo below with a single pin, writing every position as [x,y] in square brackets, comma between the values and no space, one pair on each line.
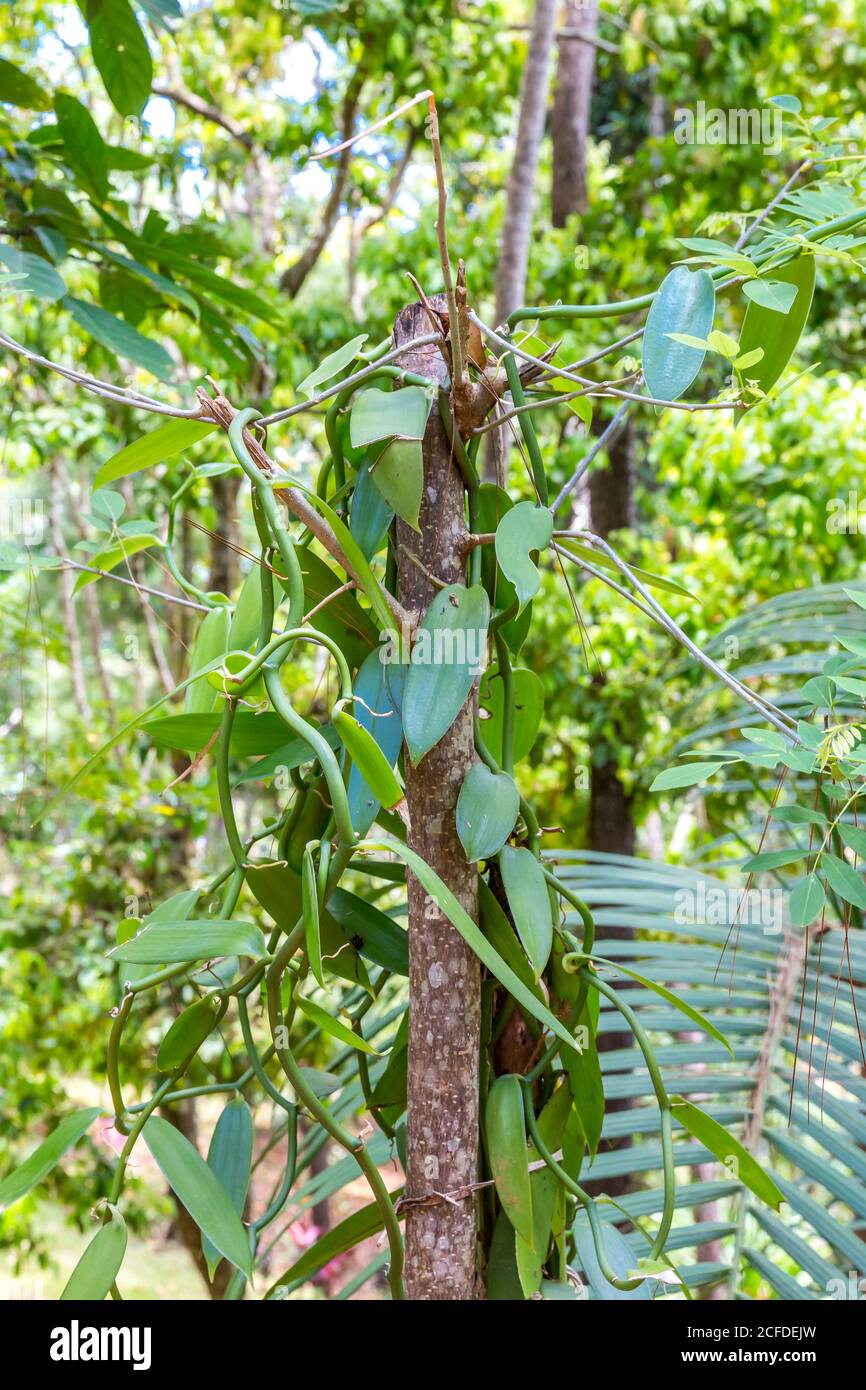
[360,1226]
[311,915]
[398,414]
[776,332]
[727,1149]
[447,657]
[368,757]
[334,1026]
[196,939]
[371,515]
[685,303]
[508,1154]
[187,1033]
[523,530]
[529,902]
[671,998]
[472,934]
[229,1159]
[528,710]
[48,1154]
[398,475]
[487,809]
[210,645]
[378,691]
[99,1266]
[198,1188]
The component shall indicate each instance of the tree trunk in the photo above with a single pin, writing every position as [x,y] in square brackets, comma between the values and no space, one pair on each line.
[520,202]
[444,974]
[569,123]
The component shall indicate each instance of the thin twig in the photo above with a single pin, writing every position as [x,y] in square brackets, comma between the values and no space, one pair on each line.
[371,129]
[142,588]
[609,433]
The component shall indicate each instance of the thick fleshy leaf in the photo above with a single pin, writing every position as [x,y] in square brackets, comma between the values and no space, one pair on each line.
[211,643]
[503,938]
[371,516]
[371,586]
[247,615]
[398,475]
[620,1257]
[472,934]
[685,303]
[96,1271]
[398,414]
[547,1195]
[200,1191]
[671,998]
[382,940]
[378,690]
[524,529]
[331,365]
[359,1226]
[160,444]
[334,1026]
[252,735]
[120,53]
[507,1152]
[229,1158]
[368,757]
[37,277]
[48,1154]
[196,939]
[778,334]
[120,337]
[341,618]
[529,902]
[727,1149]
[187,1033]
[487,808]
[528,709]
[447,657]
[312,916]
[493,504]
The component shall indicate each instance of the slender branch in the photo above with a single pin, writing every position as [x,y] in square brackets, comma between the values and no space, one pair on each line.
[783,721]
[459,374]
[749,233]
[182,97]
[142,588]
[603,440]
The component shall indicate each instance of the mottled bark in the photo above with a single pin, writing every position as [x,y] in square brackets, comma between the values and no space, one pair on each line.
[444,974]
[520,201]
[569,122]
[223,559]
